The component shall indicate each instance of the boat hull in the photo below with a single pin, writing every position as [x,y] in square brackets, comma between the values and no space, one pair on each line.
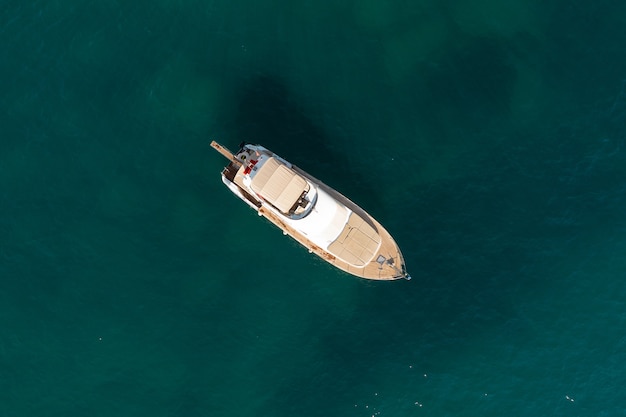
[382,259]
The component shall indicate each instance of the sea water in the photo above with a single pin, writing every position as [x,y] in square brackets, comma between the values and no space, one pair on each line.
[488,138]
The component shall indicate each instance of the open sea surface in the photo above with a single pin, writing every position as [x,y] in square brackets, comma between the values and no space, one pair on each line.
[488,137]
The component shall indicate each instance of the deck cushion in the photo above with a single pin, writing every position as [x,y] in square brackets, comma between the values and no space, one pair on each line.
[357,243]
[278,184]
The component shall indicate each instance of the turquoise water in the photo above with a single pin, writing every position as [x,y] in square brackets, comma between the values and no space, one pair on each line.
[488,138]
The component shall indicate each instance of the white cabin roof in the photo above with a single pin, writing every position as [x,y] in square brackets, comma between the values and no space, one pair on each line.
[325,221]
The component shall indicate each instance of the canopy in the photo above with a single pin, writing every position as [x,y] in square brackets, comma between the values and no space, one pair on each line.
[278,184]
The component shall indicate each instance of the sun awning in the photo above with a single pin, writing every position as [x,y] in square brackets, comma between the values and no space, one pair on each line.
[278,184]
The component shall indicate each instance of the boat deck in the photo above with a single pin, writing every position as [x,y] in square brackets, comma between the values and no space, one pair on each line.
[364,248]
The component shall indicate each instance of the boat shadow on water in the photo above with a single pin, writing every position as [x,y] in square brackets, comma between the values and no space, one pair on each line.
[269,113]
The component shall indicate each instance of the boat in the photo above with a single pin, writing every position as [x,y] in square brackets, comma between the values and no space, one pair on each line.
[317,216]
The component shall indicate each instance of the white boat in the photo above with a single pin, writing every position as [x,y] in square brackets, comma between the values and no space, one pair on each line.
[320,218]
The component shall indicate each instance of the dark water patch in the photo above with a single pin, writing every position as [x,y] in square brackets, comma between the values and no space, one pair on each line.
[271,115]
